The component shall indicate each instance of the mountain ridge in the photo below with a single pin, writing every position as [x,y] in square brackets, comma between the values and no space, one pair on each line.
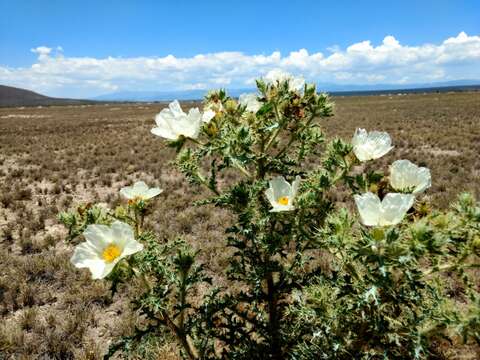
[334,89]
[11,96]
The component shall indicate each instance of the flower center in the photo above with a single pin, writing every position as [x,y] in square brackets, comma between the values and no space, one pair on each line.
[135,200]
[283,200]
[110,253]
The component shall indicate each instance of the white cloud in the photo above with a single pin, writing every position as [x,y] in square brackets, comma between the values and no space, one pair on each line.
[389,62]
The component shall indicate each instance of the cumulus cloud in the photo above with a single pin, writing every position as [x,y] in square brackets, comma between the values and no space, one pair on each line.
[57,74]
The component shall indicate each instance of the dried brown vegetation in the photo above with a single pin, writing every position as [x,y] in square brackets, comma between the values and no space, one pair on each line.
[54,158]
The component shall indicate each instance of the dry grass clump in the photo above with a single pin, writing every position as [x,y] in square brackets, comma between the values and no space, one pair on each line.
[53,158]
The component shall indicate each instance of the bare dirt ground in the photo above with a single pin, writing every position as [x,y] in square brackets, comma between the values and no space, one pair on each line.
[53,158]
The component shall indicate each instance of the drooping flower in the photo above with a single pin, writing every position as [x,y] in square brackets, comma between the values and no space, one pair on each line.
[280,76]
[250,101]
[104,247]
[390,211]
[369,146]
[406,176]
[139,191]
[281,194]
[174,122]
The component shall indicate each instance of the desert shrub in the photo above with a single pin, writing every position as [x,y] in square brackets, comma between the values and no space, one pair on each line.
[306,279]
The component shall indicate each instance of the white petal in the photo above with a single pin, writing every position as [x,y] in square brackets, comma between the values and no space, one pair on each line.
[208,115]
[280,187]
[140,187]
[99,271]
[369,146]
[269,195]
[381,142]
[176,109]
[124,238]
[131,247]
[165,133]
[402,174]
[359,137]
[405,175]
[296,83]
[127,192]
[83,253]
[394,207]
[424,180]
[280,208]
[86,256]
[98,236]
[369,208]
[275,75]
[250,101]
[295,185]
[153,192]
[165,121]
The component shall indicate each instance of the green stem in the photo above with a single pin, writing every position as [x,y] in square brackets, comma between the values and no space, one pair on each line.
[183,294]
[241,168]
[294,135]
[207,185]
[277,131]
[196,141]
[444,267]
[180,334]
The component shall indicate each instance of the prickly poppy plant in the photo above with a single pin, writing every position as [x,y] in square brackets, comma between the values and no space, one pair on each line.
[310,277]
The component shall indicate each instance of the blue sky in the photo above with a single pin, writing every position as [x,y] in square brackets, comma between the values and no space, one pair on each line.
[134,29]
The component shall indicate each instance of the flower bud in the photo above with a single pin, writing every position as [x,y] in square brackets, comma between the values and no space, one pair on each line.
[476,242]
[378,234]
[373,188]
[231,106]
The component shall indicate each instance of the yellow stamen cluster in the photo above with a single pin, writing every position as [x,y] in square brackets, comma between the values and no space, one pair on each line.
[135,200]
[283,200]
[110,253]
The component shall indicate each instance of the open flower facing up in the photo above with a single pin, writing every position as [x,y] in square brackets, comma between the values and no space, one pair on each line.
[390,211]
[277,75]
[406,176]
[174,122]
[281,194]
[250,101]
[104,247]
[139,191]
[369,146]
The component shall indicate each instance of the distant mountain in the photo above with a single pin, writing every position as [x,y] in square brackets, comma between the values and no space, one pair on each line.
[334,89]
[12,96]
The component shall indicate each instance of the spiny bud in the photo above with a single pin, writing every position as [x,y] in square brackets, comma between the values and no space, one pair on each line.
[378,234]
[423,208]
[476,242]
[212,129]
[231,106]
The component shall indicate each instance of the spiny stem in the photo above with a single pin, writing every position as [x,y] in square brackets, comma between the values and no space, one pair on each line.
[277,131]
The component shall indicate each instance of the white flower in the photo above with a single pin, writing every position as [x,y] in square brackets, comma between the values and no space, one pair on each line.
[139,191]
[212,108]
[390,211]
[281,194]
[174,122]
[406,176]
[369,146]
[208,115]
[104,247]
[250,101]
[277,75]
